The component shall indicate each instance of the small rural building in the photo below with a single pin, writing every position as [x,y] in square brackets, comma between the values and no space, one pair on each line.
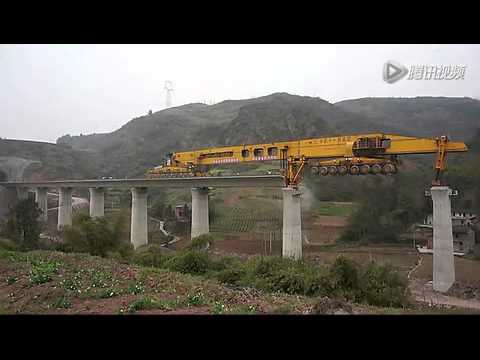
[463,224]
[181,213]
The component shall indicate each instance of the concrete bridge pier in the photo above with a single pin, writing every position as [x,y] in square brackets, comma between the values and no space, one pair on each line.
[42,203]
[22,193]
[97,202]
[64,207]
[139,226]
[292,224]
[443,259]
[200,221]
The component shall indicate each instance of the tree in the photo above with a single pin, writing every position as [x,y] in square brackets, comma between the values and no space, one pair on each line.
[22,224]
[96,236]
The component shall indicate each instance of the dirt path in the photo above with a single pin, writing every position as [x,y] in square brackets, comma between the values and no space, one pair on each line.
[165,232]
[423,292]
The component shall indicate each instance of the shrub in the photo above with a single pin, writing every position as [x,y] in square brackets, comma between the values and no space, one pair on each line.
[202,242]
[232,275]
[190,262]
[8,244]
[150,255]
[148,303]
[97,236]
[374,284]
[195,299]
[290,282]
[126,250]
[382,286]
[62,303]
[142,304]
[325,305]
[225,263]
[344,279]
[22,225]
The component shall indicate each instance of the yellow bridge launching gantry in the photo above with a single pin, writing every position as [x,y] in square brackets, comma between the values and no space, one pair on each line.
[340,155]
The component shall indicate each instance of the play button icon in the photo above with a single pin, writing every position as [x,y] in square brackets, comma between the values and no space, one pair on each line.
[393,71]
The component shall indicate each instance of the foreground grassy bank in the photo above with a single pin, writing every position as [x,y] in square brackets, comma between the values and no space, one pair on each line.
[52,282]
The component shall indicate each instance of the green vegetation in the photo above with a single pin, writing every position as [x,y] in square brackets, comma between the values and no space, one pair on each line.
[464,176]
[150,255]
[202,242]
[150,303]
[62,303]
[22,225]
[189,262]
[259,216]
[263,285]
[327,208]
[42,271]
[97,236]
[8,244]
[374,284]
[195,299]
[387,207]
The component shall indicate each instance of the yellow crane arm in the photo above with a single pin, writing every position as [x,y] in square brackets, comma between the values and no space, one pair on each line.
[295,154]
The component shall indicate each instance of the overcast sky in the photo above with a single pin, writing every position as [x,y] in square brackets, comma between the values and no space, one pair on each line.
[47,91]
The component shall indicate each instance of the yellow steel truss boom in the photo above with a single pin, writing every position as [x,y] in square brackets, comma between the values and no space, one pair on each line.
[349,151]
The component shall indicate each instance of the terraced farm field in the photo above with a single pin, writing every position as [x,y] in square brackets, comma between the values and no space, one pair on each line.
[239,219]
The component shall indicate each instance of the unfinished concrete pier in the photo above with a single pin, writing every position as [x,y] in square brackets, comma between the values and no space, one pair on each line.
[443,259]
[292,223]
[139,228]
[200,220]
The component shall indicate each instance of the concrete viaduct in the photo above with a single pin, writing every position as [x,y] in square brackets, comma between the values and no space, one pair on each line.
[443,258]
[292,231]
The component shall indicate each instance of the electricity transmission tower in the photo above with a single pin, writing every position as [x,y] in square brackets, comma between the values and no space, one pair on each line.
[169,90]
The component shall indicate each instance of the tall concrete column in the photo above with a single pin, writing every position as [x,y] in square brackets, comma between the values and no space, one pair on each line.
[64,207]
[42,203]
[139,226]
[292,224]
[200,225]
[443,260]
[22,193]
[97,202]
[8,200]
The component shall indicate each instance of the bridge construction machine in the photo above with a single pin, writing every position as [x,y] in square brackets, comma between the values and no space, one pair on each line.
[340,155]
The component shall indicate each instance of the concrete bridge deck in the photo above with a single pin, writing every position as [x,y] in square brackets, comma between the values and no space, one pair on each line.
[274,181]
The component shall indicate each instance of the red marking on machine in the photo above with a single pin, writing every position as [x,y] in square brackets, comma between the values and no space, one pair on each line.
[226,161]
